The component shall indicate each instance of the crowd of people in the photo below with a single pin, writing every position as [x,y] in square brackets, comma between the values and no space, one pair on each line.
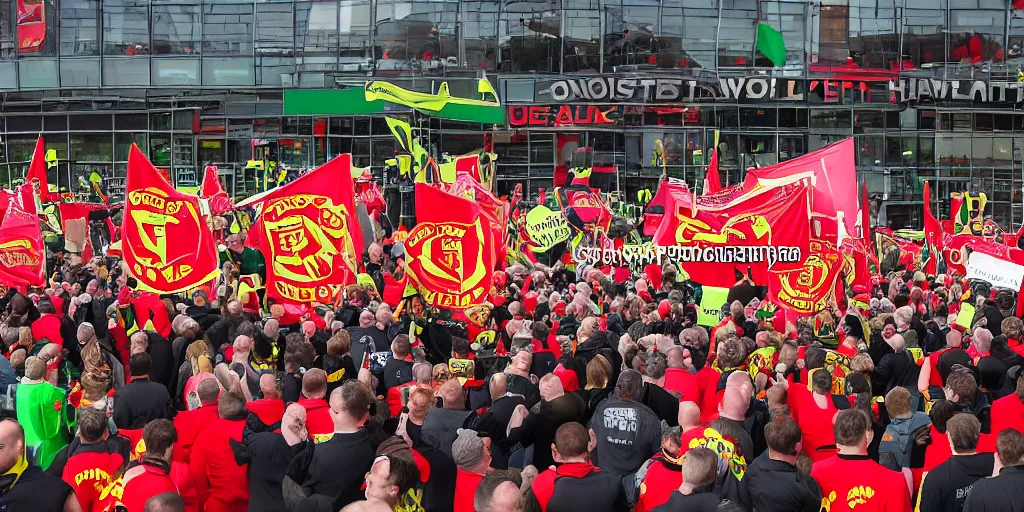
[566,391]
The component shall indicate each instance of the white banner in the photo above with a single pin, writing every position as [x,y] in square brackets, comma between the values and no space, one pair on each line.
[1000,273]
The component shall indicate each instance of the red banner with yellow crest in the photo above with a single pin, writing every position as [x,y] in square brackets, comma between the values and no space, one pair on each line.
[811,288]
[166,242]
[308,233]
[713,236]
[22,257]
[449,250]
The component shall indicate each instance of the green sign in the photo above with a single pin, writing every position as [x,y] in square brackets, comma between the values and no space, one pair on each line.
[546,227]
[711,306]
[375,96]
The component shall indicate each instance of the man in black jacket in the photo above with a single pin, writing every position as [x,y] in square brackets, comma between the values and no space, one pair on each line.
[329,475]
[947,486]
[1003,493]
[141,401]
[268,454]
[773,477]
[577,484]
[556,409]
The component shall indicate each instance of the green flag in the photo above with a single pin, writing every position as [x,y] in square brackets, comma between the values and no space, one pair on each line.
[770,43]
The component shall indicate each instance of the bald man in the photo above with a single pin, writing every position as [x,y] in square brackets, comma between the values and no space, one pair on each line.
[270,408]
[538,430]
[733,409]
[440,429]
[314,390]
[503,403]
[34,490]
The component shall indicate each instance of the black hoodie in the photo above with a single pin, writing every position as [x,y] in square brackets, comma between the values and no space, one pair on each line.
[779,487]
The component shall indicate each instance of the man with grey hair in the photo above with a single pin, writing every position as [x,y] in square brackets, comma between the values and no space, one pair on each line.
[627,431]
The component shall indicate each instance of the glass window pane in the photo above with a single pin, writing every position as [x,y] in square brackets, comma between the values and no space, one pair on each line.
[125,27]
[124,71]
[24,123]
[8,75]
[55,123]
[529,34]
[84,122]
[417,34]
[175,29]
[227,71]
[80,72]
[79,27]
[737,33]
[92,147]
[160,149]
[123,143]
[37,73]
[480,34]
[227,29]
[131,122]
[924,37]
[175,71]
[976,35]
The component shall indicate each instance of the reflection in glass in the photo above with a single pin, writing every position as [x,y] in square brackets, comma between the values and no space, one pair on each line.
[126,27]
[175,29]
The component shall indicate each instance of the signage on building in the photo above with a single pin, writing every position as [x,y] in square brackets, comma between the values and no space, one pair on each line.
[615,89]
[567,115]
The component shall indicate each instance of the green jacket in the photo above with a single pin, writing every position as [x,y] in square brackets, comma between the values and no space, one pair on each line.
[249,262]
[41,412]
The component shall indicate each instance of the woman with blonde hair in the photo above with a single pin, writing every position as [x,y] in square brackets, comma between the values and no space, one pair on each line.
[198,366]
[599,373]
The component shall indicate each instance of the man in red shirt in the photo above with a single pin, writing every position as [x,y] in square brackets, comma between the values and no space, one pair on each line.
[220,481]
[189,424]
[270,408]
[472,455]
[929,382]
[151,474]
[318,412]
[678,378]
[850,479]
[664,472]
[731,354]
[92,460]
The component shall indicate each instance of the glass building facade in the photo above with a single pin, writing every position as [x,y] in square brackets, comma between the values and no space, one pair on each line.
[928,88]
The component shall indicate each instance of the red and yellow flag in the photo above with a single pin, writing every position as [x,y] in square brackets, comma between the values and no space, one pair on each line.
[308,233]
[36,176]
[449,249]
[213,192]
[811,288]
[166,242]
[22,257]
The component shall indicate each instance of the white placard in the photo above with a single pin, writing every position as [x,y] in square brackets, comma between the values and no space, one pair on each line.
[1000,273]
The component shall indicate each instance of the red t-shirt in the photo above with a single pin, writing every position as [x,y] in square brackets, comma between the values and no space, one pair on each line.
[707,387]
[318,418]
[143,482]
[684,383]
[861,484]
[815,424]
[1007,412]
[269,410]
[659,483]
[89,470]
[189,424]
[218,478]
[465,487]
